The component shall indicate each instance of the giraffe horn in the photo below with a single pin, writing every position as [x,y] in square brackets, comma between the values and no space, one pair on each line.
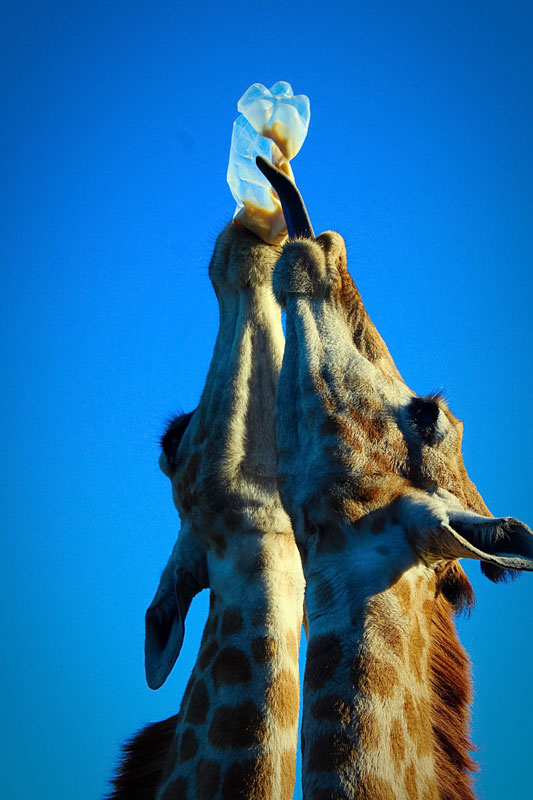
[294,210]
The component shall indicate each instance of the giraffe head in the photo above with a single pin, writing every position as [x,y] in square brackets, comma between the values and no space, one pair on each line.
[359,449]
[221,458]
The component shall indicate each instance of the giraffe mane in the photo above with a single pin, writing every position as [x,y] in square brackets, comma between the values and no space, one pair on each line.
[451,687]
[142,760]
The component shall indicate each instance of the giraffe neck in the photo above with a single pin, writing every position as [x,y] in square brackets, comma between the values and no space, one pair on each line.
[386,688]
[236,732]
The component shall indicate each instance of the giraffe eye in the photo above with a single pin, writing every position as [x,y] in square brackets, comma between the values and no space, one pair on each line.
[172,437]
[423,414]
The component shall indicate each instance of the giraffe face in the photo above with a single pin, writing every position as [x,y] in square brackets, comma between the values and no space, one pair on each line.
[241,261]
[221,457]
[356,445]
[209,453]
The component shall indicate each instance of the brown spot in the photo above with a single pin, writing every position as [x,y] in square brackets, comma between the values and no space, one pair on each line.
[237,726]
[199,705]
[324,654]
[324,393]
[288,773]
[382,462]
[231,621]
[431,793]
[188,745]
[219,542]
[200,435]
[378,520]
[330,426]
[333,709]
[371,426]
[258,617]
[282,697]
[331,539]
[352,510]
[324,592]
[383,550]
[402,591]
[410,716]
[207,653]
[207,779]
[186,486]
[427,610]
[357,614]
[417,651]
[373,676]
[211,626]
[330,753]
[264,649]
[397,744]
[370,491]
[350,435]
[424,743]
[393,638]
[292,645]
[186,694]
[369,731]
[251,779]
[411,784]
[176,788]
[231,666]
[232,520]
[375,788]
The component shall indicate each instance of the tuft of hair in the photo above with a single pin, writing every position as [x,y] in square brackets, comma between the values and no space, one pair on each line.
[451,688]
[171,438]
[498,574]
[142,760]
[456,588]
[438,394]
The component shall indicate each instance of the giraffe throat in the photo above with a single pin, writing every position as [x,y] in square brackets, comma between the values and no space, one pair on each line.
[375,725]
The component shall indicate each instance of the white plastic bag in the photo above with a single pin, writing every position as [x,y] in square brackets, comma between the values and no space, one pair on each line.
[273,123]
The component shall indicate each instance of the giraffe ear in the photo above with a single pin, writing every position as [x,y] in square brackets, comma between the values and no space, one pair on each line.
[165,617]
[503,542]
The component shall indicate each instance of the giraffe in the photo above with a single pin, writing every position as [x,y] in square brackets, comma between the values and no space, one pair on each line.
[236,732]
[382,509]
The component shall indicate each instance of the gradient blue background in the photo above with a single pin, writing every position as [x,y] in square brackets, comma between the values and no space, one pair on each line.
[115,133]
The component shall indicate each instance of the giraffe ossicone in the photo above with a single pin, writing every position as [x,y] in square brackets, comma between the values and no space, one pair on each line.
[382,507]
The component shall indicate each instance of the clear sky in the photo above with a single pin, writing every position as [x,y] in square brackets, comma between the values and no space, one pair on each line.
[115,134]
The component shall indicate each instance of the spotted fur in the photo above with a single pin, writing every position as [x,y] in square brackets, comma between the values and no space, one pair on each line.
[236,733]
[382,507]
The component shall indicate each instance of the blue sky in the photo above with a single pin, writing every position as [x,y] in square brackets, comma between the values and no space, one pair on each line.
[115,137]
